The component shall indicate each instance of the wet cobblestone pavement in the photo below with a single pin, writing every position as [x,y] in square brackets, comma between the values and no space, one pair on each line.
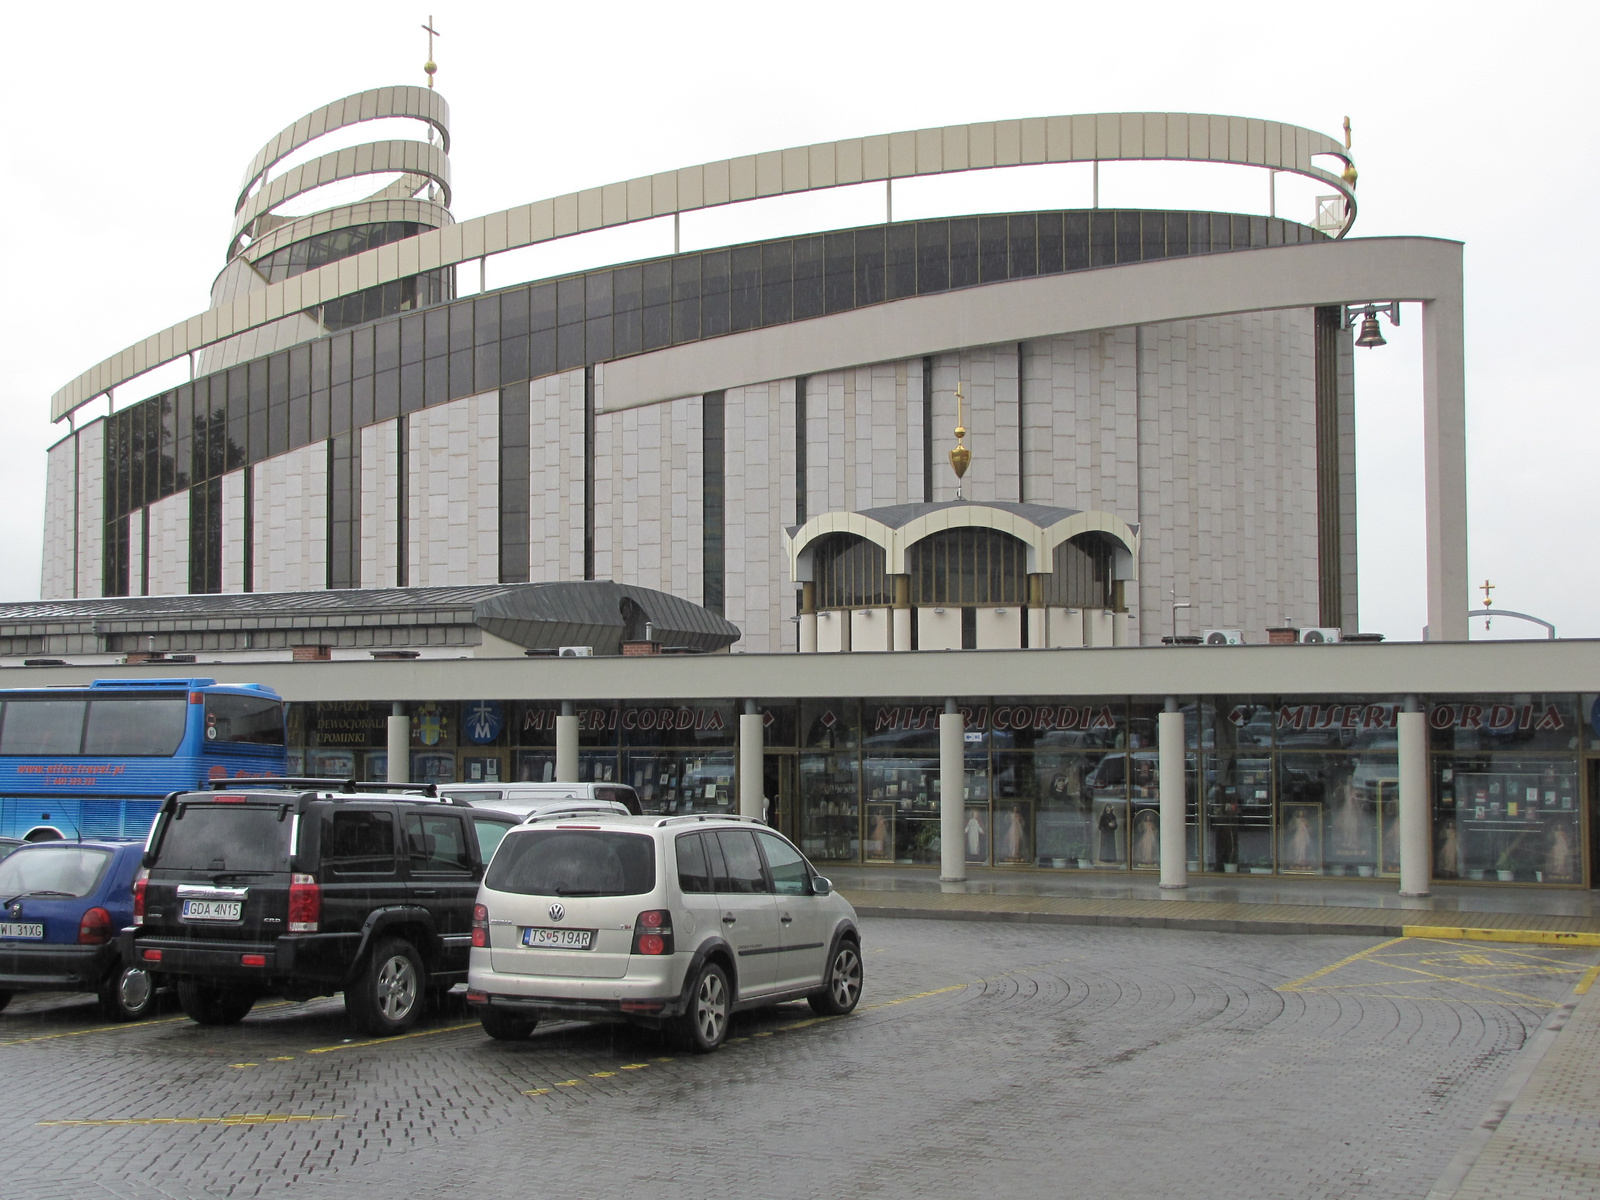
[1030,1060]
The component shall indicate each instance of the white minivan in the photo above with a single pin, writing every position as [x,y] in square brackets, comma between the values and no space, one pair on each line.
[525,799]
[668,922]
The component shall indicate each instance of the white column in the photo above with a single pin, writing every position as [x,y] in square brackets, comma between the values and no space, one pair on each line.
[1174,837]
[952,795]
[1444,453]
[752,762]
[567,743]
[808,633]
[1038,637]
[1416,843]
[399,745]
[902,629]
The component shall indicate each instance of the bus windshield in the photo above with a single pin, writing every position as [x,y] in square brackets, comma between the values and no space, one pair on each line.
[129,727]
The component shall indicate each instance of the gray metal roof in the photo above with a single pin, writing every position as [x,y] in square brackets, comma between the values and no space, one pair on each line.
[896,516]
[531,615]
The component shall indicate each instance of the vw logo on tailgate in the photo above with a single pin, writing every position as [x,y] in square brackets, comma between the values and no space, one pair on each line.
[557,912]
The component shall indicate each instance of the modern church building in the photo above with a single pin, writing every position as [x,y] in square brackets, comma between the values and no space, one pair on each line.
[1067,442]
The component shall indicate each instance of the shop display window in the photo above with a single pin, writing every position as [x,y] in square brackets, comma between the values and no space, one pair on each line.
[1517,723]
[830,724]
[1511,820]
[1238,812]
[830,807]
[1339,814]
[674,782]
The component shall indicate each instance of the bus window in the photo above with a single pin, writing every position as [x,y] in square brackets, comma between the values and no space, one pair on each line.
[135,727]
[42,727]
[251,719]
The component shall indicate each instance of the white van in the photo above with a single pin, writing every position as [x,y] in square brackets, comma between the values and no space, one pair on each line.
[527,798]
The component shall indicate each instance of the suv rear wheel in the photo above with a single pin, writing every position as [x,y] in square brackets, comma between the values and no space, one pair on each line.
[386,996]
[127,994]
[702,1028]
[505,1027]
[209,1004]
[842,988]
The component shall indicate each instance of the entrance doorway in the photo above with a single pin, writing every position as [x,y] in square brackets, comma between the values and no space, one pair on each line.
[780,785]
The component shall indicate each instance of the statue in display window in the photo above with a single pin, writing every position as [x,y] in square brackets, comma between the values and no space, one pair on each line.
[1560,861]
[1108,826]
[1146,839]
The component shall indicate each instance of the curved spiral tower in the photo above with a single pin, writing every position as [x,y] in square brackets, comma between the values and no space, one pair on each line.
[267,245]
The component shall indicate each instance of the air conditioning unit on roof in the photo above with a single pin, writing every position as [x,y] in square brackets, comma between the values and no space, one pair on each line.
[577,652]
[1321,635]
[1223,637]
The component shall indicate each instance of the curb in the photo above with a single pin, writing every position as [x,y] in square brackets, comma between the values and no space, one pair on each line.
[1530,937]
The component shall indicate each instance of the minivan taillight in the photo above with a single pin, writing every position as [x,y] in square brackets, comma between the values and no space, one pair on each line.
[480,925]
[653,932]
[142,878]
[95,928]
[305,903]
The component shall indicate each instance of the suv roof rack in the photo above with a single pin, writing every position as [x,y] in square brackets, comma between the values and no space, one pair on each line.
[711,817]
[428,790]
[612,808]
[284,782]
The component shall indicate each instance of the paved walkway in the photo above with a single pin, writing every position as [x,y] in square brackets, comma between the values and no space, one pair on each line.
[1540,1139]
[1266,905]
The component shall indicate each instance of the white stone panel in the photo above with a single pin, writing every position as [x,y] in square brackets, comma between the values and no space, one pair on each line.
[380,504]
[649,497]
[833,632]
[60,534]
[453,523]
[291,520]
[758,600]
[555,478]
[91,509]
[871,629]
[169,545]
[233,538]
[999,628]
[939,628]
[136,542]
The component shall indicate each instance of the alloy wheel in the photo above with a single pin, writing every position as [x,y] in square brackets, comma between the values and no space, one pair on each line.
[711,1007]
[397,987]
[845,979]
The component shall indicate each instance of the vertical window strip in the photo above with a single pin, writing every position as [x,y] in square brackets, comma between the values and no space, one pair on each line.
[714,502]
[927,430]
[515,469]
[344,511]
[800,451]
[249,529]
[588,472]
[1330,589]
[144,553]
[402,500]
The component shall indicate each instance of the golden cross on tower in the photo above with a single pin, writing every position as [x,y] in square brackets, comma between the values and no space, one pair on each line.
[430,66]
[960,457]
[1487,588]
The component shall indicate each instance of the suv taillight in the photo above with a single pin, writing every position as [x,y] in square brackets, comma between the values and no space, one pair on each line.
[95,928]
[480,925]
[139,880]
[653,932]
[305,903]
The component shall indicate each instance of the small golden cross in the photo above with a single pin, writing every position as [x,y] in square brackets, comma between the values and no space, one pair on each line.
[1487,588]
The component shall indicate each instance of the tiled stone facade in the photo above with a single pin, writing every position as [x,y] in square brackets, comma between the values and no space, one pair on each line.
[649,491]
[91,509]
[1200,433]
[60,485]
[453,504]
[290,542]
[169,545]
[555,435]
[380,504]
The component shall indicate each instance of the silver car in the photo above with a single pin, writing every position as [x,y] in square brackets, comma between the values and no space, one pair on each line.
[668,922]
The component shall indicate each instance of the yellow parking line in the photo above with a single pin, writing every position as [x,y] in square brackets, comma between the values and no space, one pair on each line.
[233,1119]
[399,1037]
[1587,981]
[123,1028]
[1343,962]
[1532,937]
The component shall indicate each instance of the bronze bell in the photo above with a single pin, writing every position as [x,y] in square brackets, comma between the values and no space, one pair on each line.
[1370,334]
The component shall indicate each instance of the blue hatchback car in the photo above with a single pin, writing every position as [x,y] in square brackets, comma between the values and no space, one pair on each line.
[62,904]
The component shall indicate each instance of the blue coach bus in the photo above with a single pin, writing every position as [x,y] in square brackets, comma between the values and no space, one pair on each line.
[97,760]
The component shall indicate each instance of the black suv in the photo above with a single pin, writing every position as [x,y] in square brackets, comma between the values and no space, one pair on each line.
[306,887]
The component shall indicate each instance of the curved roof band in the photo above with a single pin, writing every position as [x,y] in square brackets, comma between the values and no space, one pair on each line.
[1103,137]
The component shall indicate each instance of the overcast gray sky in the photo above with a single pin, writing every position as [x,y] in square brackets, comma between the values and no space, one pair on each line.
[132,126]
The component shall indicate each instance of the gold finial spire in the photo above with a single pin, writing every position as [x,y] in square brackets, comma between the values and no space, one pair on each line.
[1487,588]
[430,66]
[1349,172]
[960,457]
